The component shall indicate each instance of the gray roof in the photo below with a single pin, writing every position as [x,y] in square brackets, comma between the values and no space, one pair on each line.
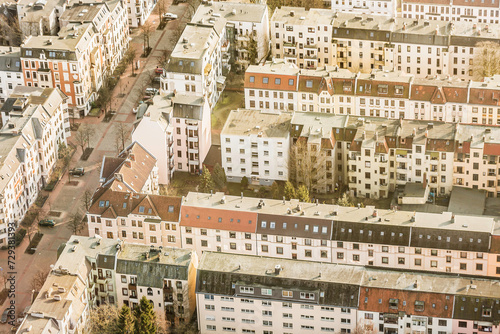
[255,122]
[188,106]
[159,264]
[10,61]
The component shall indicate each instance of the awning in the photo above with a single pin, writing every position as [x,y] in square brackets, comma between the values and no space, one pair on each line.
[401,152]
[434,154]
[208,68]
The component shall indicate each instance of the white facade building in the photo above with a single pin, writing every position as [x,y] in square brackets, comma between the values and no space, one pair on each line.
[11,74]
[29,141]
[370,7]
[256,145]
[138,11]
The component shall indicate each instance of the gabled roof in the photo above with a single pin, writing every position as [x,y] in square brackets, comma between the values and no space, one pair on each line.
[129,171]
[108,203]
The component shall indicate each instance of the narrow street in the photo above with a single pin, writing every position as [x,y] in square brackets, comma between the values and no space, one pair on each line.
[66,198]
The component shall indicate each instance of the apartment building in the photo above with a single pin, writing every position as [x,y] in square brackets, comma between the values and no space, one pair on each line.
[138,11]
[10,71]
[155,132]
[361,43]
[469,11]
[277,86]
[135,218]
[110,21]
[93,271]
[368,7]
[266,295]
[192,138]
[72,62]
[259,152]
[245,24]
[166,276]
[39,18]
[329,233]
[134,170]
[34,125]
[246,294]
[314,159]
[195,65]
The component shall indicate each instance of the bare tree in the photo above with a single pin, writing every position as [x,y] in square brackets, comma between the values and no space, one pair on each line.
[130,57]
[88,132]
[161,6]
[87,199]
[122,134]
[307,165]
[163,58]
[75,223]
[486,63]
[103,319]
[10,31]
[81,138]
[38,279]
[31,229]
[30,25]
[146,30]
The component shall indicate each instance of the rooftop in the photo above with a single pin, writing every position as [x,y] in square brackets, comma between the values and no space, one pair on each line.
[244,122]
[10,60]
[413,189]
[71,38]
[444,221]
[165,255]
[346,274]
[230,11]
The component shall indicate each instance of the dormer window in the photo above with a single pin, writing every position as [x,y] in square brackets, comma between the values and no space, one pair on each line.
[309,83]
[399,90]
[383,89]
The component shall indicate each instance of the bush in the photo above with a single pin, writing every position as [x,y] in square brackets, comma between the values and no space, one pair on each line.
[34,243]
[19,236]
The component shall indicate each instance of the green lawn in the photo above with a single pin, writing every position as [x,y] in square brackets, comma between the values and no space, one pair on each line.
[229,100]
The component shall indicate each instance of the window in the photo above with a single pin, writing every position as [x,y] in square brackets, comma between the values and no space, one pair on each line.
[287,293]
[265,80]
[244,289]
[277,81]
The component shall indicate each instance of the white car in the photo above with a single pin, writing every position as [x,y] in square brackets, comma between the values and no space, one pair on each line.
[169,16]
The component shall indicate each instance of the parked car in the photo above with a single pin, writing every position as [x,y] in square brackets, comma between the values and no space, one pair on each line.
[77,171]
[151,91]
[169,16]
[4,316]
[47,222]
[159,70]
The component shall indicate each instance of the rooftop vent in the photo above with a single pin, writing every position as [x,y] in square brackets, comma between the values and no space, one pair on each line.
[277,269]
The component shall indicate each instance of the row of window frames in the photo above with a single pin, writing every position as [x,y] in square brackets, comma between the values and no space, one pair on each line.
[142,209]
[138,223]
[315,229]
[401,235]
[266,153]
[254,145]
[210,218]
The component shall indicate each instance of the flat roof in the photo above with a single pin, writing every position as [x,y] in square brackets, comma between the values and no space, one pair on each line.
[365,215]
[230,11]
[347,274]
[467,201]
[165,255]
[243,122]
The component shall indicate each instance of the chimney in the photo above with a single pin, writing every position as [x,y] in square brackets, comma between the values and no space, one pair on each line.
[128,163]
[415,285]
[132,156]
[277,269]
[375,213]
[414,132]
[426,133]
[376,136]
[363,135]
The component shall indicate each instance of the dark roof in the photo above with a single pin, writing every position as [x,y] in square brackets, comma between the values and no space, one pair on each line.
[450,239]
[105,261]
[372,233]
[471,308]
[151,274]
[294,226]
[191,66]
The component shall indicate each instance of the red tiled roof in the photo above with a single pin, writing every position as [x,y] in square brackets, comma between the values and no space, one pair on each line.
[438,97]
[111,204]
[271,85]
[238,221]
[373,296]
[487,97]
[491,149]
[455,94]
[465,147]
[422,93]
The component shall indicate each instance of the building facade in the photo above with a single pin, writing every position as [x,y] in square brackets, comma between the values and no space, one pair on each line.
[479,12]
[35,122]
[288,296]
[11,74]
[259,153]
[361,43]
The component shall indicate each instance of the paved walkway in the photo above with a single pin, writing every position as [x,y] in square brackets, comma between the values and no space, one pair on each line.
[67,198]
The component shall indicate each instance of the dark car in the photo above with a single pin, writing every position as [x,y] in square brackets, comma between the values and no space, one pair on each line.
[4,316]
[46,222]
[77,171]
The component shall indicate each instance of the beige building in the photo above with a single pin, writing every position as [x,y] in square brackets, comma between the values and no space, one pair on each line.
[135,218]
[361,43]
[35,121]
[134,170]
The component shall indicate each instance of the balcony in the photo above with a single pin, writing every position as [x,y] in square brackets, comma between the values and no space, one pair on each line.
[132,286]
[314,57]
[310,46]
[289,44]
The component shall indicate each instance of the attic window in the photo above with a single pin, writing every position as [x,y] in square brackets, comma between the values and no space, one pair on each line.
[309,83]
[252,79]
[399,90]
[101,204]
[284,226]
[141,209]
[150,211]
[180,63]
[124,205]
[263,224]
[107,203]
[383,89]
[192,64]
[419,305]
